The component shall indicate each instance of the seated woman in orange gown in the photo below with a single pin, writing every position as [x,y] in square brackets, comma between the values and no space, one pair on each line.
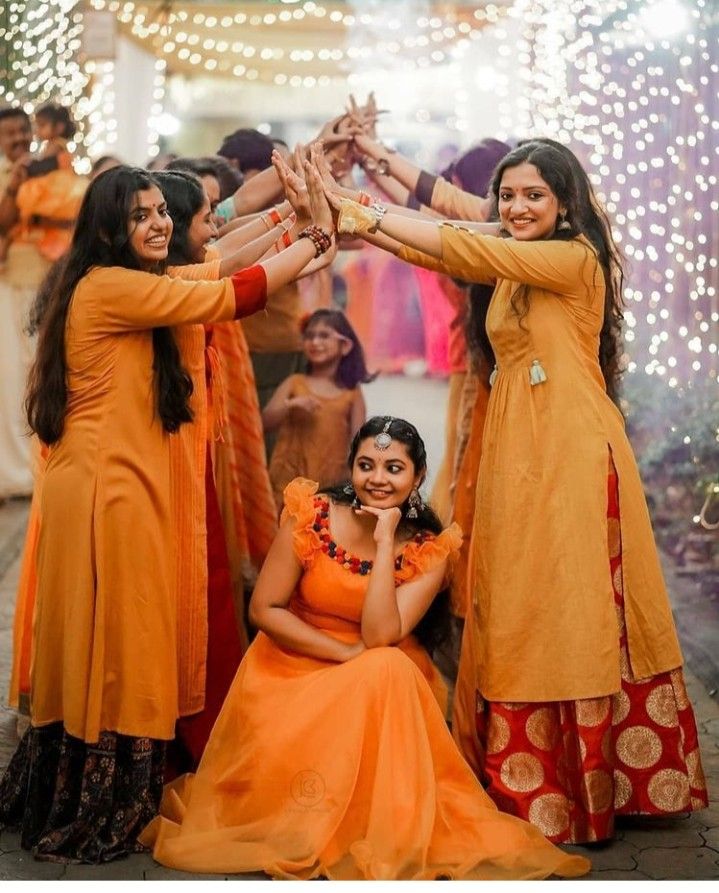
[331,756]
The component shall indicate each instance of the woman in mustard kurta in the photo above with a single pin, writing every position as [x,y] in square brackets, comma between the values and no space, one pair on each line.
[582,711]
[331,757]
[106,391]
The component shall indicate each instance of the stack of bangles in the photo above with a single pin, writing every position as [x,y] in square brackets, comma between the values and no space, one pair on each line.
[321,240]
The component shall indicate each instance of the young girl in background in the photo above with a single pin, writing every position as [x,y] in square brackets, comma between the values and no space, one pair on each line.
[318,413]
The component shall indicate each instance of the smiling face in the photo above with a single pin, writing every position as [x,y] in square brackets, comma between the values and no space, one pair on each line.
[323,345]
[201,232]
[383,478]
[150,227]
[528,208]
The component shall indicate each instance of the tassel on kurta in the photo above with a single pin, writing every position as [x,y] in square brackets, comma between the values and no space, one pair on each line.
[536,373]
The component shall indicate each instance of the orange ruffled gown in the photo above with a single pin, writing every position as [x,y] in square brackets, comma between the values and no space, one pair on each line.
[345,770]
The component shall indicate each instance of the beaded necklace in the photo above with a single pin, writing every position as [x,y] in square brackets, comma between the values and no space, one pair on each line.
[353,564]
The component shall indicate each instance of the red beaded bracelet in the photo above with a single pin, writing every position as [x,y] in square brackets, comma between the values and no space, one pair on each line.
[321,240]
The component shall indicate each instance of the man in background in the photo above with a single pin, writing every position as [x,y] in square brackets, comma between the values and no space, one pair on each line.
[22,269]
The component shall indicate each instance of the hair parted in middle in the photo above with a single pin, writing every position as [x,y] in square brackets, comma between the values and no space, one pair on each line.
[101,239]
[435,627]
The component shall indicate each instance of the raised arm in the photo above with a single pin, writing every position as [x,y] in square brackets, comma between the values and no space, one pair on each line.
[565,267]
[257,193]
[235,235]
[431,190]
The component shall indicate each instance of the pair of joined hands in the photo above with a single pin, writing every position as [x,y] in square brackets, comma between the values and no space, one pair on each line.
[314,194]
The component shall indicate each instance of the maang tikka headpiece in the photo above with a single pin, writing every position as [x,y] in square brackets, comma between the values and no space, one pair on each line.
[384,439]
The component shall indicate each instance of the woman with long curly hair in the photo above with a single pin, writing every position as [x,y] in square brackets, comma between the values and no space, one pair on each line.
[106,392]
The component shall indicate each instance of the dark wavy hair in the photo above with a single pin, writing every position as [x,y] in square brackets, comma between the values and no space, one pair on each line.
[475,329]
[352,369]
[435,627]
[568,180]
[101,238]
[185,196]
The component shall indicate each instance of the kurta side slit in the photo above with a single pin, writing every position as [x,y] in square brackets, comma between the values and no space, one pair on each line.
[570,767]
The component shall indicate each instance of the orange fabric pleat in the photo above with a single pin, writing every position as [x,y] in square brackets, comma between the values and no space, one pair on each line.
[243,484]
[27,587]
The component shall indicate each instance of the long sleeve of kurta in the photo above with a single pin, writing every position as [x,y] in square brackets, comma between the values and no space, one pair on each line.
[208,271]
[562,267]
[127,300]
[420,259]
[453,202]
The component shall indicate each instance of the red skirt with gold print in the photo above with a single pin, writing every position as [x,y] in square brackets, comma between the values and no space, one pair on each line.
[570,767]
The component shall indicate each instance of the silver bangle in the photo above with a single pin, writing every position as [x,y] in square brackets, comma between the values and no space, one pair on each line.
[379,211]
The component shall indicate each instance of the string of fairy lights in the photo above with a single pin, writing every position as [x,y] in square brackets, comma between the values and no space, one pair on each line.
[629,83]
[196,40]
[39,46]
[638,98]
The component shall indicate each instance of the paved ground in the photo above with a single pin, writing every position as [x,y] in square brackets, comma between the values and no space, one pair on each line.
[679,849]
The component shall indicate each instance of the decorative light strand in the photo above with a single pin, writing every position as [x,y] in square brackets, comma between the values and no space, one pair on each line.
[194,40]
[643,113]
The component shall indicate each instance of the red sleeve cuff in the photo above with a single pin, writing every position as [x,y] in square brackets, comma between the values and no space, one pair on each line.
[250,287]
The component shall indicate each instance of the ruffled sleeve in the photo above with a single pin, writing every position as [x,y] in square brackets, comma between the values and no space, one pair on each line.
[300,505]
[420,557]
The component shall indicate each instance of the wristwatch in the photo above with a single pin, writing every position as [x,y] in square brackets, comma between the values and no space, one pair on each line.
[383,166]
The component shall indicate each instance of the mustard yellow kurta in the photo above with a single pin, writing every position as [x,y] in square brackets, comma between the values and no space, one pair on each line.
[105,641]
[546,626]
